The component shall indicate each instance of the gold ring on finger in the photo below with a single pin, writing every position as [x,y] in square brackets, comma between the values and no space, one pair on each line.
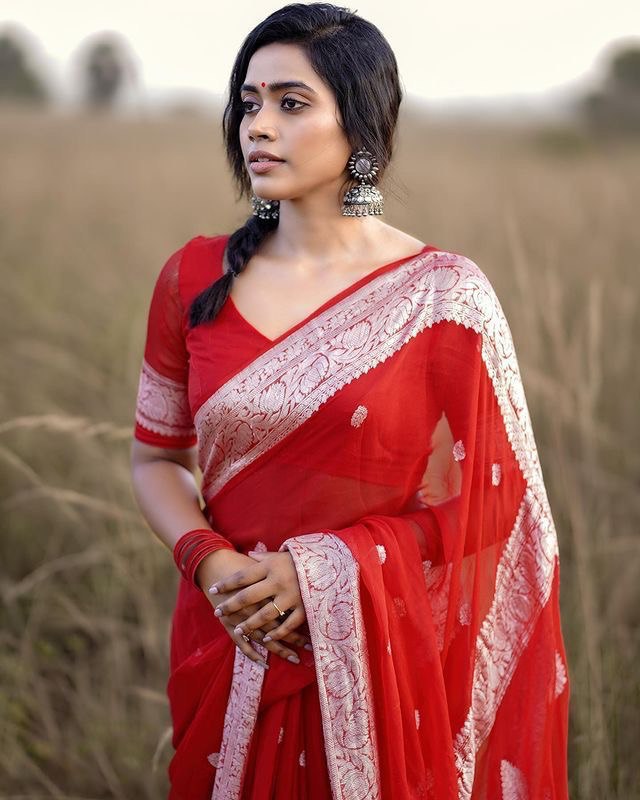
[281,614]
[246,638]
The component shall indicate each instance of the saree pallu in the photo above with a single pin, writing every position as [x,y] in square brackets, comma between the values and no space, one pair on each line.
[385,442]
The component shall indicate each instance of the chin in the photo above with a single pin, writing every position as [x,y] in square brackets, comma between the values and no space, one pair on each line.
[266,192]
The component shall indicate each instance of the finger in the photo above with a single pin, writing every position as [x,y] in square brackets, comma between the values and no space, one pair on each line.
[245,597]
[247,611]
[295,637]
[233,620]
[243,577]
[297,617]
[246,647]
[276,647]
[268,613]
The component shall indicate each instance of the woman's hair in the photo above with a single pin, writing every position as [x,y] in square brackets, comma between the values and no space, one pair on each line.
[356,61]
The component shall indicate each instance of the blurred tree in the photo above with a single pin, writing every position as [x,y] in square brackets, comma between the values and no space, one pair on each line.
[18,79]
[615,108]
[104,69]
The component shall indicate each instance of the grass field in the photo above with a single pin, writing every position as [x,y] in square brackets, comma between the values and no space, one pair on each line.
[89,210]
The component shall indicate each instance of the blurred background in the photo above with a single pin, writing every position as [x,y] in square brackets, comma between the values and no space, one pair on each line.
[518,145]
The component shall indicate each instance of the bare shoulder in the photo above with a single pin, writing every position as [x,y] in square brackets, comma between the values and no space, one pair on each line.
[398,241]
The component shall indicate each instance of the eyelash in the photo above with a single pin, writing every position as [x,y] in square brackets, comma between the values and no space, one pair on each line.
[284,100]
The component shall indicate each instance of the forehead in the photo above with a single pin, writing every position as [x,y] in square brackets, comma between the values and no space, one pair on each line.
[282,62]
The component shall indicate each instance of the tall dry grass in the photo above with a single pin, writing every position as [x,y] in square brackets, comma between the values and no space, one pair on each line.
[89,210]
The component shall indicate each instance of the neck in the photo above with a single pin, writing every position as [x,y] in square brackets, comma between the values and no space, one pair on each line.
[312,231]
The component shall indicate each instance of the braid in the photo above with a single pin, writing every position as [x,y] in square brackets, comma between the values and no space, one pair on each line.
[242,244]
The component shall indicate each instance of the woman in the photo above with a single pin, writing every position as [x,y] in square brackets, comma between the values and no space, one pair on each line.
[371,482]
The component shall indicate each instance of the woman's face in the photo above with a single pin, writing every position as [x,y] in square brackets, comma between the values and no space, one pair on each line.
[298,124]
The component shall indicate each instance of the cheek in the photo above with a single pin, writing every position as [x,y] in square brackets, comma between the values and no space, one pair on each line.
[322,146]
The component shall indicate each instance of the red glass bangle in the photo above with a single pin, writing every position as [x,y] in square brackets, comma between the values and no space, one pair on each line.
[193,546]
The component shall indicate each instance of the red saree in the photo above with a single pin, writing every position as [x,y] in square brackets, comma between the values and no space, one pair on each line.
[384,441]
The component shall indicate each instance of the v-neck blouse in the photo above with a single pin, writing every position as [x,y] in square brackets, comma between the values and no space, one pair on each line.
[196,362]
[353,287]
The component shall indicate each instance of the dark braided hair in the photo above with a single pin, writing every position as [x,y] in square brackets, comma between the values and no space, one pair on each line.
[355,59]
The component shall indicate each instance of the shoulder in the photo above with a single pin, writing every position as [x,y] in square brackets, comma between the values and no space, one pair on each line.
[200,264]
[460,290]
[394,240]
[203,246]
[198,246]
[208,240]
[457,272]
[445,266]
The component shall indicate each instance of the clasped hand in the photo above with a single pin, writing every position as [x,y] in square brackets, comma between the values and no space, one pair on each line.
[273,576]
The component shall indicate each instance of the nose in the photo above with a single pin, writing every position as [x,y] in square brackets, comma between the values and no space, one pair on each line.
[259,127]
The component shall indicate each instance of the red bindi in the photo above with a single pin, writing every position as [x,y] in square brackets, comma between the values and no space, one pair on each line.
[263,84]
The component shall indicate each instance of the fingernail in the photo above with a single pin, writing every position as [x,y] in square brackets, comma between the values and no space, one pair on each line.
[238,630]
[262,664]
[266,639]
[308,646]
[293,659]
[213,590]
[218,612]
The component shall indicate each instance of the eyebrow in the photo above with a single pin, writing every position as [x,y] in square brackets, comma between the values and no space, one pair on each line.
[277,85]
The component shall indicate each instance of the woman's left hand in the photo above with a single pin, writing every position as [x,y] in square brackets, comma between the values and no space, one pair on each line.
[274,577]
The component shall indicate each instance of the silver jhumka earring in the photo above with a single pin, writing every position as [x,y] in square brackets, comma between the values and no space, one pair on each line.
[363,199]
[265,209]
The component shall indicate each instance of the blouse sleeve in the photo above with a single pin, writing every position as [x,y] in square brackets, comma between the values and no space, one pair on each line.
[163,416]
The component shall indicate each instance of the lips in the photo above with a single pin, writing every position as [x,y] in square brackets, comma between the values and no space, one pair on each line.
[263,167]
[264,154]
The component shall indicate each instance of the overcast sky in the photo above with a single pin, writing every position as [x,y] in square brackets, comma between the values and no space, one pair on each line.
[452,50]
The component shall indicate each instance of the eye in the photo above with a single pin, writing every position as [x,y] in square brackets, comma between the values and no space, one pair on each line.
[245,103]
[292,100]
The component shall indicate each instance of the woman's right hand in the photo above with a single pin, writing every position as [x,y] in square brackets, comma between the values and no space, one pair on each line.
[220,564]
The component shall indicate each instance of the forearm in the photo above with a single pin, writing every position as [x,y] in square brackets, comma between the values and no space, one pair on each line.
[167,496]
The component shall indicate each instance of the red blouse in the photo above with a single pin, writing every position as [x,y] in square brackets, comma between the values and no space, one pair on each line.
[183,367]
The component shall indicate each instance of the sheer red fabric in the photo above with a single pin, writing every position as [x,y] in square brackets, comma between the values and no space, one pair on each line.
[384,441]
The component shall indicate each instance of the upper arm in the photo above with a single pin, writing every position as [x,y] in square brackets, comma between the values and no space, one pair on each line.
[163,416]
[142,453]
